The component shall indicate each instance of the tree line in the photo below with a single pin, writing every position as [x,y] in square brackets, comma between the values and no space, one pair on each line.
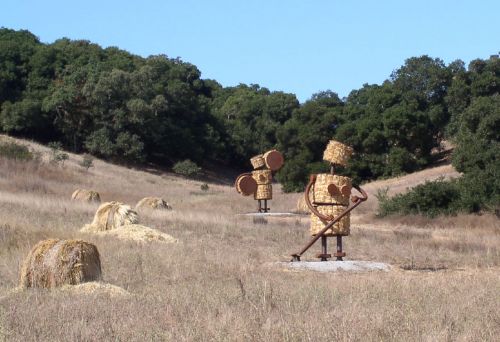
[126,108]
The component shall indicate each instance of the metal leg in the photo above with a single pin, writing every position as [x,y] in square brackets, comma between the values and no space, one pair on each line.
[259,208]
[265,206]
[323,256]
[339,253]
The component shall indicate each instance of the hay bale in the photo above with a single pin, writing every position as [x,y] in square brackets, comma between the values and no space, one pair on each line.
[262,176]
[257,161]
[331,189]
[53,263]
[111,215]
[342,227]
[302,207]
[274,160]
[245,185]
[337,153]
[86,195]
[153,203]
[137,233]
[264,192]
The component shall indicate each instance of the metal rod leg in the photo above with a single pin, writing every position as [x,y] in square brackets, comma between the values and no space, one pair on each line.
[265,206]
[324,248]
[339,253]
[259,208]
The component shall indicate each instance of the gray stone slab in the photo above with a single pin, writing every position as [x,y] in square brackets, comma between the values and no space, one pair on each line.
[338,266]
[270,215]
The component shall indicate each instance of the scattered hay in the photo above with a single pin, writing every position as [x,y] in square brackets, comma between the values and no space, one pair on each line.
[94,287]
[153,203]
[86,196]
[53,263]
[111,215]
[138,233]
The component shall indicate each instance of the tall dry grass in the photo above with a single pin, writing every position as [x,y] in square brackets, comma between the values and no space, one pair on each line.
[220,283]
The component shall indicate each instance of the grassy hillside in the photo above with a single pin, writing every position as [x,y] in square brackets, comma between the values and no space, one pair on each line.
[220,283]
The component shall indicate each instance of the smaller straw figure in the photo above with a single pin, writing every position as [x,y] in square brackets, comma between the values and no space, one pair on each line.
[259,182]
[330,199]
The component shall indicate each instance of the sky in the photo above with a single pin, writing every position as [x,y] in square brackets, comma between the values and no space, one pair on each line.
[295,46]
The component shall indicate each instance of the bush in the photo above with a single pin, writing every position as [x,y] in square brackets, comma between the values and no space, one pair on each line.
[58,156]
[12,150]
[429,199]
[186,168]
[204,187]
[87,161]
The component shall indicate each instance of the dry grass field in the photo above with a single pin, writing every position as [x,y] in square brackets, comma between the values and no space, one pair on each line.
[219,282]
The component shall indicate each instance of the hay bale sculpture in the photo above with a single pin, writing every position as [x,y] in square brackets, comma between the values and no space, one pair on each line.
[153,203]
[327,196]
[53,263]
[86,196]
[259,182]
[111,215]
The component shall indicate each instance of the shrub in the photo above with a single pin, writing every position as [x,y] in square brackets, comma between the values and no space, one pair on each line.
[87,162]
[12,150]
[58,156]
[186,168]
[204,187]
[429,199]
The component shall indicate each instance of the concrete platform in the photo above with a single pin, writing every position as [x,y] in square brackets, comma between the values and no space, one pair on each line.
[338,266]
[272,214]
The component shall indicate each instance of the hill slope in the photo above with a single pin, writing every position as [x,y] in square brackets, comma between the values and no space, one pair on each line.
[219,282]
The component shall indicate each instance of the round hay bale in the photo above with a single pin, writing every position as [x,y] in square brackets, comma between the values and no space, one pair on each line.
[264,192]
[331,189]
[262,176]
[274,160]
[86,195]
[153,203]
[53,263]
[246,185]
[302,207]
[111,215]
[257,161]
[337,153]
[342,227]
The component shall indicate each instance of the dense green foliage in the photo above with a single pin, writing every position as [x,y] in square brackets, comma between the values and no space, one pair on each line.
[474,103]
[429,199]
[186,168]
[126,108]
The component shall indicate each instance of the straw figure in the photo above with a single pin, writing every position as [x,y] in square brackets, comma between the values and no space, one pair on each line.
[153,203]
[327,197]
[259,182]
[86,196]
[53,263]
[111,215]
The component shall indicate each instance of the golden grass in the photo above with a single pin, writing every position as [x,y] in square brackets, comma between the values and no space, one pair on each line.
[214,285]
